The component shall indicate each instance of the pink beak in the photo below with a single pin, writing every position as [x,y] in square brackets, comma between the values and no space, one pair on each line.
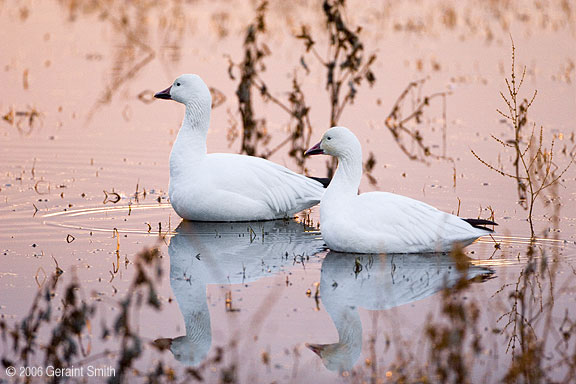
[316,348]
[315,150]
[163,344]
[165,94]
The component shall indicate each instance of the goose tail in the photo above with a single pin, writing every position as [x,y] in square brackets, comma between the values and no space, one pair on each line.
[480,223]
[325,181]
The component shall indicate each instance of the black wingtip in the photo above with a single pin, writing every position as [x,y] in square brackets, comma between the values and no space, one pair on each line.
[325,181]
[479,223]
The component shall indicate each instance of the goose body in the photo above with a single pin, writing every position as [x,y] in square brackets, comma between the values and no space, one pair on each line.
[226,187]
[380,222]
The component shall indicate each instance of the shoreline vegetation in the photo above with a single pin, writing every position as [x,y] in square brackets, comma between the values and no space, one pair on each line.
[516,312]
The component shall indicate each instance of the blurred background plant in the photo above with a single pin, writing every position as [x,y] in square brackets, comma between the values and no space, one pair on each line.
[69,321]
[347,67]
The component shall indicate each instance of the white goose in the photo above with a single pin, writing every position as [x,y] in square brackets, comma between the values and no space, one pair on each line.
[381,222]
[222,186]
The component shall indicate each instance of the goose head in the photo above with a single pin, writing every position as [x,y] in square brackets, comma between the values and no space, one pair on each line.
[339,142]
[336,357]
[187,89]
[185,349]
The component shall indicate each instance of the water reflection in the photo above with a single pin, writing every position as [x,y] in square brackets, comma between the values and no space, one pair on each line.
[378,282]
[203,253]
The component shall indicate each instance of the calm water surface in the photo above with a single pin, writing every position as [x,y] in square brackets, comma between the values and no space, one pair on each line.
[84,176]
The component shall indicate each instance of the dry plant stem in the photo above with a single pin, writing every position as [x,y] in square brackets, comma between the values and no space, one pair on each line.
[254,132]
[455,340]
[32,118]
[65,341]
[132,20]
[517,115]
[534,167]
[298,111]
[345,62]
[403,121]
[400,122]
[345,65]
[69,322]
[530,320]
[134,36]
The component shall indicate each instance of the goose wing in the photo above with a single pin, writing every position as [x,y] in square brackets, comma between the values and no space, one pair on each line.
[256,178]
[412,221]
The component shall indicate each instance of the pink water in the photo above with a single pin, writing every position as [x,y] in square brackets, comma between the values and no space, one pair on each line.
[89,70]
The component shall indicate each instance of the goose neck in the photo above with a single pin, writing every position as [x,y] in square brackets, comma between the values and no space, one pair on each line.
[348,175]
[192,301]
[190,145]
[349,327]
[197,115]
[195,126]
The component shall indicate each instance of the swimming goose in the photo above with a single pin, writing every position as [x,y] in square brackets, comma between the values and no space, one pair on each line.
[381,222]
[223,186]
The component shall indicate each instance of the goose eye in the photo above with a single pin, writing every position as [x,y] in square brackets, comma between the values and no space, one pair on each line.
[177,84]
[328,138]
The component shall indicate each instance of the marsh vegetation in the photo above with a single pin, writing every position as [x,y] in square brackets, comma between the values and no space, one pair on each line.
[87,235]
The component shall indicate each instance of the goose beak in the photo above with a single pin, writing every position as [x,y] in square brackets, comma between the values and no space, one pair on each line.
[316,348]
[315,150]
[165,94]
[162,344]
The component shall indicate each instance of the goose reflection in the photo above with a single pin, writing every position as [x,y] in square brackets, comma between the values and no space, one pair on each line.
[378,282]
[204,253]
